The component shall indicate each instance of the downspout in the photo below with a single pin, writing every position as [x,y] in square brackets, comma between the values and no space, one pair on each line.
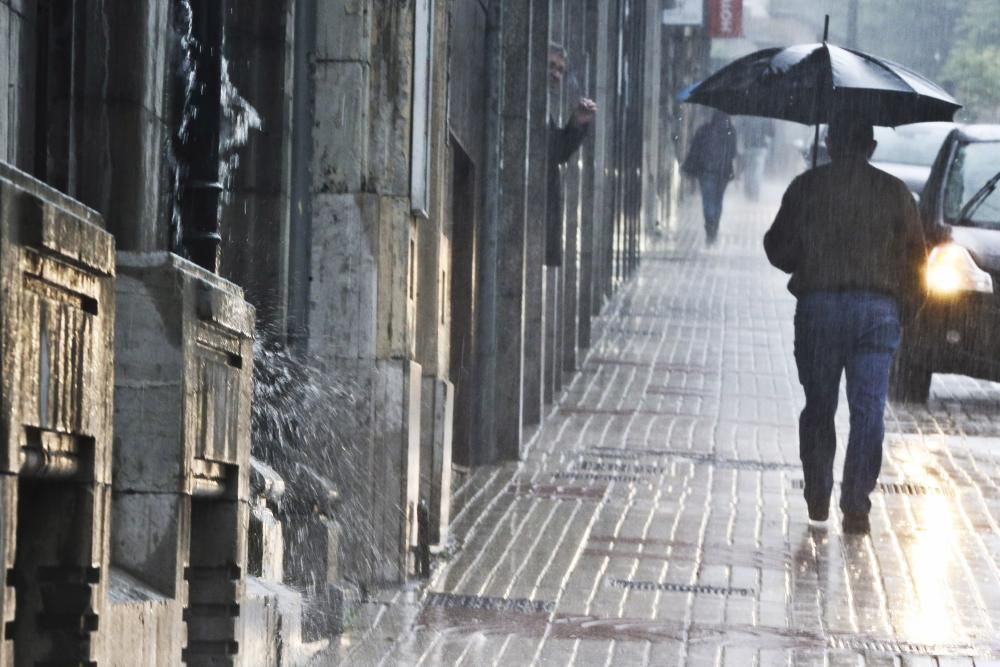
[199,140]
[486,267]
[300,218]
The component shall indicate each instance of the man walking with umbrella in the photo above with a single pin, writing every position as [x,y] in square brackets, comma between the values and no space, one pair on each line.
[850,236]
[710,161]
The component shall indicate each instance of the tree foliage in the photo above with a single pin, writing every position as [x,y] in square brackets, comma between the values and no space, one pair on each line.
[972,69]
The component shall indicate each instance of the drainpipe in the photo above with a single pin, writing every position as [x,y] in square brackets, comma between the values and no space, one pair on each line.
[300,219]
[199,147]
[486,267]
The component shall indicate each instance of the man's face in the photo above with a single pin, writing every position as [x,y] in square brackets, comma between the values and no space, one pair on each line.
[557,67]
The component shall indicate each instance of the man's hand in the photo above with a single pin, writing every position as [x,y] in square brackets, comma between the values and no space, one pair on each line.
[584,113]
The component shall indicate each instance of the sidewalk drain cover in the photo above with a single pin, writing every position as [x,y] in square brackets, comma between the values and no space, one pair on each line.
[633,585]
[557,491]
[516,605]
[627,467]
[682,392]
[893,488]
[696,457]
[597,477]
[894,647]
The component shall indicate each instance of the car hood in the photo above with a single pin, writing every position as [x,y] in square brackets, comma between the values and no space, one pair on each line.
[982,244]
[913,175]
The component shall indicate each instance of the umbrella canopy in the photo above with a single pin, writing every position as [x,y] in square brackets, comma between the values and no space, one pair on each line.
[809,83]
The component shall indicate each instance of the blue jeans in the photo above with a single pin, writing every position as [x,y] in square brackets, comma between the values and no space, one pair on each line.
[856,332]
[713,187]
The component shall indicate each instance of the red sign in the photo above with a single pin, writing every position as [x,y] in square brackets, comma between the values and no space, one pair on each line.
[725,18]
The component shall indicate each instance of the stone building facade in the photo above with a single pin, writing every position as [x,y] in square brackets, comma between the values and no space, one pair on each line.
[273,282]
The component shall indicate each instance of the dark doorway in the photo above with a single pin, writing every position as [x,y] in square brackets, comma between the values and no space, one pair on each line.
[463,303]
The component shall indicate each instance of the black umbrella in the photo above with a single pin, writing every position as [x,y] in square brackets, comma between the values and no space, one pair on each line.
[810,83]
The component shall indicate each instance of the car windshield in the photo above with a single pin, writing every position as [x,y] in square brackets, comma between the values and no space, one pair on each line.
[910,144]
[974,164]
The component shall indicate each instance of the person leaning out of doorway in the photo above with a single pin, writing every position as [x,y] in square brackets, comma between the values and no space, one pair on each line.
[563,142]
[710,162]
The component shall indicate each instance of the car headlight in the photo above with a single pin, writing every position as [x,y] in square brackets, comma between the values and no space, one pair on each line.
[951,269]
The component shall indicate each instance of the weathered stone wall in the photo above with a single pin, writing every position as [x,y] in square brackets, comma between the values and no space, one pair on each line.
[365,240]
[17,108]
[57,312]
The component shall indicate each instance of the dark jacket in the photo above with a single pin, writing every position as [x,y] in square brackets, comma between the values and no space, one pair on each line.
[712,151]
[563,142]
[849,226]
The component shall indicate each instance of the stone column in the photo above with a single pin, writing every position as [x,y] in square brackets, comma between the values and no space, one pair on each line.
[554,276]
[17,104]
[588,186]
[537,195]
[434,275]
[512,231]
[653,62]
[364,258]
[574,40]
[116,162]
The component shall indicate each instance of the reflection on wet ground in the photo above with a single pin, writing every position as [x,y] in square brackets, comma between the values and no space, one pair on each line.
[658,519]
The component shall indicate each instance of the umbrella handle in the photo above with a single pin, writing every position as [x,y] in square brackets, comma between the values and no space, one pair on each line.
[826,35]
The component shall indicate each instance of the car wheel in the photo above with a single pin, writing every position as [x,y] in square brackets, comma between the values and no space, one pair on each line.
[909,380]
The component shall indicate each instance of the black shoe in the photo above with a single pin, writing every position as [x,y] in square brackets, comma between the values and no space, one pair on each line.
[856,523]
[818,511]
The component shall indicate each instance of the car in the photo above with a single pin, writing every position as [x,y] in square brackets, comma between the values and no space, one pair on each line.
[957,329]
[907,152]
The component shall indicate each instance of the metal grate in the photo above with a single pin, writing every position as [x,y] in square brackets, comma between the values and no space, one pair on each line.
[597,477]
[696,457]
[619,467]
[893,488]
[698,589]
[895,647]
[516,605]
[557,491]
[682,392]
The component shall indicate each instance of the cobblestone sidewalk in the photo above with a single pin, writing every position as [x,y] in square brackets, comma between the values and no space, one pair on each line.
[658,518]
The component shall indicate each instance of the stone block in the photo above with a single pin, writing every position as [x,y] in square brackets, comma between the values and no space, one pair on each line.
[343,30]
[397,271]
[57,278]
[340,132]
[123,177]
[437,406]
[396,465]
[151,539]
[344,285]
[184,362]
[265,555]
[132,68]
[146,625]
[57,313]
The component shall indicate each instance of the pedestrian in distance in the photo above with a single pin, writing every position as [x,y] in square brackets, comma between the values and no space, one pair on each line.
[563,142]
[710,161]
[850,236]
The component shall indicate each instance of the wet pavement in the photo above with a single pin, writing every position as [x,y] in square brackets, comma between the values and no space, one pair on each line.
[657,518]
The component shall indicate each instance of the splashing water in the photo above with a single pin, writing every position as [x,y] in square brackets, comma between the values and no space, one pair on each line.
[239,117]
[302,418]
